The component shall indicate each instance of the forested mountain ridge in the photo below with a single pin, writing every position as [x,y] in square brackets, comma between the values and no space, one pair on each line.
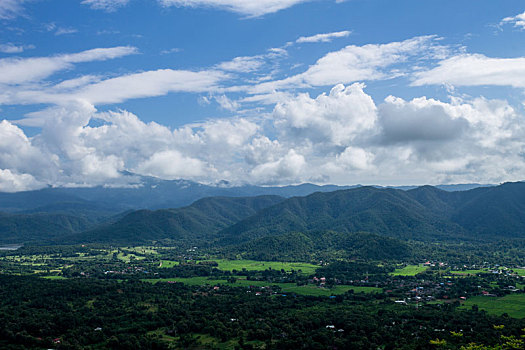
[387,212]
[33,227]
[199,221]
[425,213]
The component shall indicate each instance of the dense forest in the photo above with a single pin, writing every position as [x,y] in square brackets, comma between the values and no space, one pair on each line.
[96,314]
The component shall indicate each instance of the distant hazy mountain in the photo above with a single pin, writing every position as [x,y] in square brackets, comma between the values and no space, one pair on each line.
[152,193]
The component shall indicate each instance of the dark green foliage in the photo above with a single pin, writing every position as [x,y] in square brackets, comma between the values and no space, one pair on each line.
[17,228]
[498,211]
[422,214]
[382,211]
[98,314]
[425,214]
[316,245]
[195,223]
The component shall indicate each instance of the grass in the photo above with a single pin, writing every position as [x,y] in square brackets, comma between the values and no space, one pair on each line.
[251,265]
[512,304]
[409,270]
[468,272]
[54,277]
[165,264]
[127,257]
[520,272]
[285,287]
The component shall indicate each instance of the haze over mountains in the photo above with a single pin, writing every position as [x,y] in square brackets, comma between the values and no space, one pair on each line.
[247,214]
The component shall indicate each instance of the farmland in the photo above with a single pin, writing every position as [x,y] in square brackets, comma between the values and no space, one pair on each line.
[512,304]
[410,270]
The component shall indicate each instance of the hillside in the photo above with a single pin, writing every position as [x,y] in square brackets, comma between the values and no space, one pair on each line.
[295,246]
[387,212]
[425,213]
[197,222]
[17,228]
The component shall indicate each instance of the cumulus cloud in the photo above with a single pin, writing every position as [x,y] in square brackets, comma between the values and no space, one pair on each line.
[288,168]
[106,5]
[354,158]
[23,70]
[474,70]
[323,38]
[172,164]
[421,119]
[17,152]
[340,137]
[518,20]
[250,8]
[12,182]
[338,118]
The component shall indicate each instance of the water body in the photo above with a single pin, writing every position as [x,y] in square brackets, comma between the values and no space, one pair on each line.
[10,247]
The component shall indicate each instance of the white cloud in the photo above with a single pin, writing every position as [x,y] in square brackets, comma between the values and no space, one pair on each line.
[12,182]
[17,152]
[226,103]
[106,5]
[23,70]
[10,9]
[148,84]
[340,137]
[324,38]
[242,64]
[170,51]
[286,169]
[517,21]
[360,63]
[250,8]
[338,118]
[355,158]
[474,70]
[11,48]
[65,31]
[173,165]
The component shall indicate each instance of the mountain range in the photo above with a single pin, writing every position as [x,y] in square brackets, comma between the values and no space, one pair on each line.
[102,215]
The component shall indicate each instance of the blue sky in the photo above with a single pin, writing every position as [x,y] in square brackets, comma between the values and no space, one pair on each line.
[267,92]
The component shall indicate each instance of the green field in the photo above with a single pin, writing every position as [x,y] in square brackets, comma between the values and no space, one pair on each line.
[469,272]
[520,272]
[54,277]
[409,270]
[165,264]
[251,265]
[512,304]
[285,287]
